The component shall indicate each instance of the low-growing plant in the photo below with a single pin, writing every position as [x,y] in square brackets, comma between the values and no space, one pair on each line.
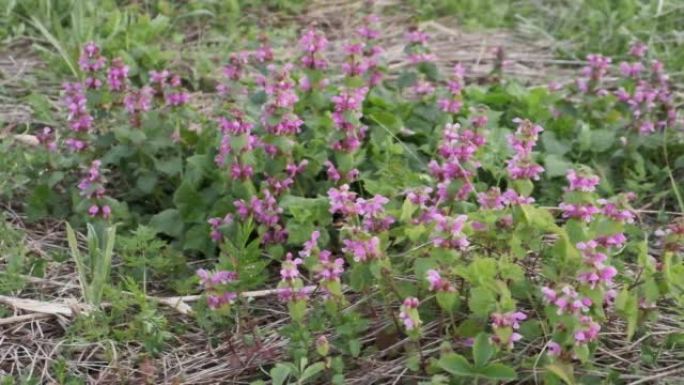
[94,266]
[390,213]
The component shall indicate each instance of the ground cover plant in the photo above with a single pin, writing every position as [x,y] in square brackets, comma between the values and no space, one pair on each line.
[314,213]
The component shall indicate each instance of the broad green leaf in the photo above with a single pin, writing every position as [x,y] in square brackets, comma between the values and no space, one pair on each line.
[279,374]
[498,372]
[456,365]
[168,222]
[482,350]
[311,371]
[563,371]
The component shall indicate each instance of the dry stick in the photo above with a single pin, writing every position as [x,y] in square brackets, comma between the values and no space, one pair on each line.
[44,309]
[657,376]
[24,318]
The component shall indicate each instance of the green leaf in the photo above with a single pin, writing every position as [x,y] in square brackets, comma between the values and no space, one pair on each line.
[627,305]
[355,347]
[498,372]
[563,371]
[601,140]
[170,166]
[456,364]
[407,210]
[168,222]
[482,301]
[482,349]
[311,371]
[556,165]
[279,374]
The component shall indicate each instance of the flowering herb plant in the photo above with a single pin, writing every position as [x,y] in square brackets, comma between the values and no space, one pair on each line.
[475,217]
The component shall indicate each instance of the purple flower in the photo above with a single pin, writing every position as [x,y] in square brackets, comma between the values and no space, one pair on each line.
[117,75]
[408,314]
[342,200]
[362,250]
[209,280]
[553,349]
[311,244]
[588,332]
[581,181]
[289,270]
[437,283]
[330,269]
[583,212]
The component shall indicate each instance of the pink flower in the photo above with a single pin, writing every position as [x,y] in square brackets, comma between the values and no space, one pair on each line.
[409,315]
[584,212]
[289,270]
[588,332]
[117,75]
[342,200]
[553,349]
[638,49]
[311,244]
[437,283]
[581,181]
[362,250]
[330,270]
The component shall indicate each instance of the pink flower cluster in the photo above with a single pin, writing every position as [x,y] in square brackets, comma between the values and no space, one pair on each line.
[288,294]
[522,165]
[437,283]
[330,269]
[313,44]
[493,199]
[336,176]
[457,148]
[582,211]
[80,120]
[138,101]
[417,49]
[46,138]
[566,300]
[651,100]
[213,283]
[216,224]
[372,211]
[408,314]
[289,269]
[369,33]
[91,62]
[597,272]
[278,117]
[589,330]
[593,73]
[362,250]
[509,321]
[117,75]
[346,116]
[92,187]
[453,103]
[450,232]
[581,181]
[265,212]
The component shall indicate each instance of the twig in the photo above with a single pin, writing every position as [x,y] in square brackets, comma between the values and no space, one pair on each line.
[657,376]
[24,318]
